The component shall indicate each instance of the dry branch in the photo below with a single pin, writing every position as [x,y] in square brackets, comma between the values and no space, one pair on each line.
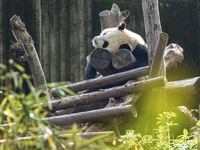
[106,80]
[26,44]
[73,101]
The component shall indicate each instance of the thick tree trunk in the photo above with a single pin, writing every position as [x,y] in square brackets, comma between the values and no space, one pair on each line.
[152,25]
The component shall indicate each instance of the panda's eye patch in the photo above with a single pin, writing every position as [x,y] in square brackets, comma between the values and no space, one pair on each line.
[105,44]
[104,33]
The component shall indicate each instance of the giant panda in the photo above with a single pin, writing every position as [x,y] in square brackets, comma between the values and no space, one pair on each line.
[113,39]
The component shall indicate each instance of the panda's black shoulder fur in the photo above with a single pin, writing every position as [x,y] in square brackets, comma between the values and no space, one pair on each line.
[141,55]
[122,26]
[126,46]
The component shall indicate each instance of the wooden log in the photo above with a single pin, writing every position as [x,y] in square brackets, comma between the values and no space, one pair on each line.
[113,17]
[159,56]
[106,80]
[26,44]
[74,101]
[89,116]
[100,59]
[123,60]
[184,92]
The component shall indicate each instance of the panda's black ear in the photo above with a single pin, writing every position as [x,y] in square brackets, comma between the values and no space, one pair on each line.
[122,26]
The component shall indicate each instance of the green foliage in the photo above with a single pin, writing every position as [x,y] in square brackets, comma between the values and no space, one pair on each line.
[162,140]
[21,115]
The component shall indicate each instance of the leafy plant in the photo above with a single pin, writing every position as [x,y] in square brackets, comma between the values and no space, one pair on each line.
[21,113]
[162,141]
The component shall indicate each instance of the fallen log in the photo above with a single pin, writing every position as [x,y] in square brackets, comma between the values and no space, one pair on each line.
[184,92]
[74,101]
[104,81]
[90,116]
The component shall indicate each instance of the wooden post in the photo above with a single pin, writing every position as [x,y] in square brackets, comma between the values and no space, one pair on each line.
[155,38]
[152,25]
[159,58]
[113,17]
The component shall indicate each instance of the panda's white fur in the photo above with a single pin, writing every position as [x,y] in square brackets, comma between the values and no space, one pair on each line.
[116,37]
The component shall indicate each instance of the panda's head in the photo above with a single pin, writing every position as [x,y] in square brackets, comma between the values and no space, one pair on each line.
[113,39]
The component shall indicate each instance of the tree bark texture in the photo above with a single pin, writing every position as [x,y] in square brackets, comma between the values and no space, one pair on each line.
[159,57]
[156,42]
[113,17]
[106,80]
[152,25]
[74,101]
[89,116]
[184,92]
[26,44]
